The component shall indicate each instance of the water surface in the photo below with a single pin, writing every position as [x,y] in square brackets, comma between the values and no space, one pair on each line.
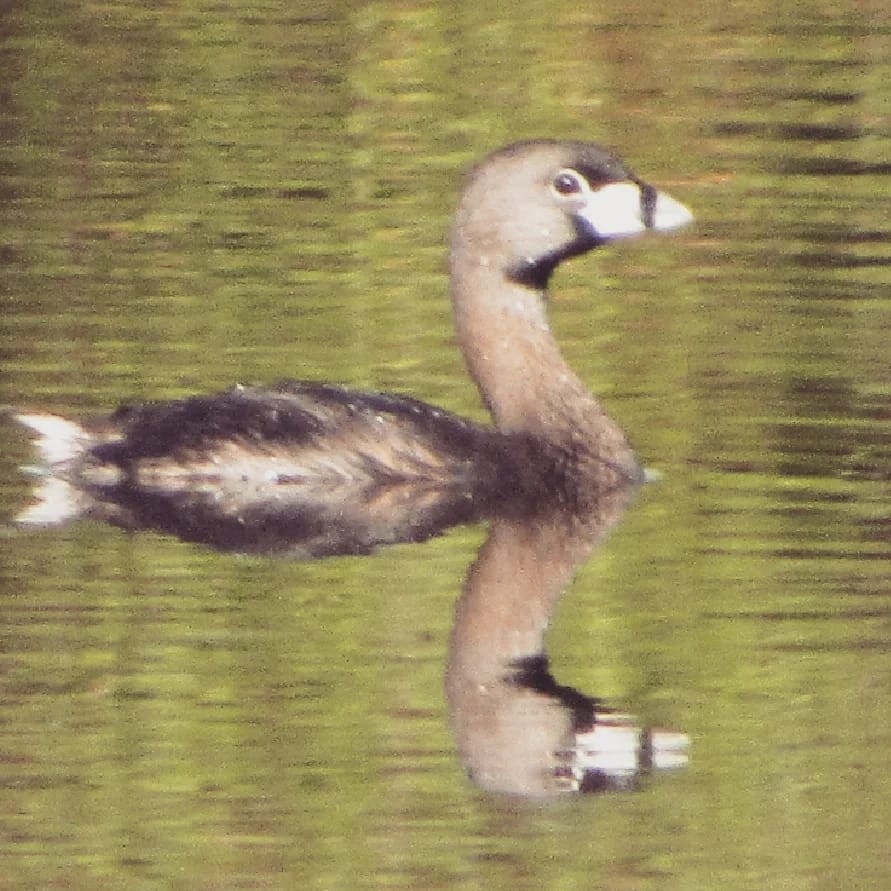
[206,194]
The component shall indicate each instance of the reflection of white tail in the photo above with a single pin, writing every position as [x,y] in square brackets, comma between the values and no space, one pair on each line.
[58,442]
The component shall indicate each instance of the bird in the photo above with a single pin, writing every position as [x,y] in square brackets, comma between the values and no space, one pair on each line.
[282,458]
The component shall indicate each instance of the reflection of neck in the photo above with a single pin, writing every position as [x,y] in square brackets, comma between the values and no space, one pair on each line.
[510,595]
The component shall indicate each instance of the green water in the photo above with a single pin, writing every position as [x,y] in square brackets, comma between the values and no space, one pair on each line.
[197,194]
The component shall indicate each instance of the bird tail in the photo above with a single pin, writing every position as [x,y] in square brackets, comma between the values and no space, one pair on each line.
[59,442]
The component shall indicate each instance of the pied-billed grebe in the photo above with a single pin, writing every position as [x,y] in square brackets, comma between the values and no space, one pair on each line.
[523,210]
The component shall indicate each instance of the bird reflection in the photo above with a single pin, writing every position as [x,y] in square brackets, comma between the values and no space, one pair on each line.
[518,730]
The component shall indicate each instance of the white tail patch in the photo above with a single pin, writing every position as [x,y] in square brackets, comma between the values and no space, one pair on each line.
[58,440]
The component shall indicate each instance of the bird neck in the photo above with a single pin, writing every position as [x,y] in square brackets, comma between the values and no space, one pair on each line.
[513,357]
[524,380]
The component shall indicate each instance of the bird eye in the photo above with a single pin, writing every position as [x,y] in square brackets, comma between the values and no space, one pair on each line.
[567,183]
